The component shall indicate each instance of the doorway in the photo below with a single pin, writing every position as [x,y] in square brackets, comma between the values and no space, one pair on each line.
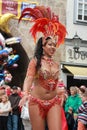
[75,82]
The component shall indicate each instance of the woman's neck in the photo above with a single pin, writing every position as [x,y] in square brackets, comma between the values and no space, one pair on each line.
[47,57]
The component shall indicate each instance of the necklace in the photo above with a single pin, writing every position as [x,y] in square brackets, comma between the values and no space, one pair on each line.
[49,60]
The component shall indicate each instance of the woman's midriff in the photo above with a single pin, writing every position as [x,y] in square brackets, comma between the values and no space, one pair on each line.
[42,93]
[44,99]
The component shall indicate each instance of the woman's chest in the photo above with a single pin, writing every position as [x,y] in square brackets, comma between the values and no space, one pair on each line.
[49,69]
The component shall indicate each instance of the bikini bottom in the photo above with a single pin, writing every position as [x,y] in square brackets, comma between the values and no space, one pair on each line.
[44,105]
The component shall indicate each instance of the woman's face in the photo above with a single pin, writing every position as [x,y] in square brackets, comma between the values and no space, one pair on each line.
[72,92]
[4,98]
[84,98]
[49,48]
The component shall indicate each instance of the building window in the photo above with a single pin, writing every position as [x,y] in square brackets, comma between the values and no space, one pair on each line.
[81,11]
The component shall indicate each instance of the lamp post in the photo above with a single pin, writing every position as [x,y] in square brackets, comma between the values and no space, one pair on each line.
[77,52]
[77,41]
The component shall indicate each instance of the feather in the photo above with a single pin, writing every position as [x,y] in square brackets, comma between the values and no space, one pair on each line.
[39,26]
[27,12]
[49,12]
[43,10]
[34,13]
[46,22]
[61,33]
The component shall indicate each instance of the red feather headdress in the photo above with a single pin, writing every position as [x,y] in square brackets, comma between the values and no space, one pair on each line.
[46,22]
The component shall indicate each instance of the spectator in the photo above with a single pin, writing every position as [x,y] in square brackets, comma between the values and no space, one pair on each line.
[82,113]
[8,90]
[60,83]
[20,93]
[82,89]
[71,107]
[5,107]
[2,92]
[14,114]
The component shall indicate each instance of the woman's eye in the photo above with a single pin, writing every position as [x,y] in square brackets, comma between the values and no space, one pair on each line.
[54,45]
[50,44]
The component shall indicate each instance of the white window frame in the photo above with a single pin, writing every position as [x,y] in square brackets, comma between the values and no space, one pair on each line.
[80,7]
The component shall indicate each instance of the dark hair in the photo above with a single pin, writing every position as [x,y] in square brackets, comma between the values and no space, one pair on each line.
[14,87]
[39,51]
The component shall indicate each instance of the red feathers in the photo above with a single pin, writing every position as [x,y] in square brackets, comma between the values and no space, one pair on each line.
[45,22]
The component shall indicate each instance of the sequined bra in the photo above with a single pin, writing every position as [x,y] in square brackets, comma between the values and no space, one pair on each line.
[48,74]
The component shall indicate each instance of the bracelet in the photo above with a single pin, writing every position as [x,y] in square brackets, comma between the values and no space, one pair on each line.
[27,92]
[30,91]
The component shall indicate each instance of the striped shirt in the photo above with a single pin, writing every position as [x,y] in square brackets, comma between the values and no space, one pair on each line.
[82,113]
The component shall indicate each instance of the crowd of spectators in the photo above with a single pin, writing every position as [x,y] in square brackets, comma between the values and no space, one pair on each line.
[10,112]
[74,103]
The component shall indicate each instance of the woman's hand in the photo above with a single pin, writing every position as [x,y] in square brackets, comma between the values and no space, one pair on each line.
[10,110]
[23,100]
[60,91]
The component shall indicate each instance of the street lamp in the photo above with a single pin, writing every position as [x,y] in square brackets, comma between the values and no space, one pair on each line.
[77,41]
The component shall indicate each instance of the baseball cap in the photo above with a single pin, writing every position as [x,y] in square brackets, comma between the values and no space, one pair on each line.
[14,87]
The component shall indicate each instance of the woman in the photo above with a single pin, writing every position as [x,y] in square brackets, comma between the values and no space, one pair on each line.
[71,108]
[73,101]
[5,107]
[43,73]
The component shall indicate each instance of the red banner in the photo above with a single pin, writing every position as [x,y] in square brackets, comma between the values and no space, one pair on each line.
[9,6]
[15,6]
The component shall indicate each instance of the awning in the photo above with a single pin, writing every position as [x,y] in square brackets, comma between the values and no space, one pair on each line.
[78,72]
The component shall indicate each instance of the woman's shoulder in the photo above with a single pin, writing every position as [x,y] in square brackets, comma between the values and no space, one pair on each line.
[56,62]
[33,60]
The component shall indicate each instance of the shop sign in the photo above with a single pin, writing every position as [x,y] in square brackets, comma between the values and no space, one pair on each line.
[76,55]
[15,6]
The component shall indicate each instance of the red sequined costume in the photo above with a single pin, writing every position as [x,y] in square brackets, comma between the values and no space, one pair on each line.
[46,79]
[44,105]
[47,23]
